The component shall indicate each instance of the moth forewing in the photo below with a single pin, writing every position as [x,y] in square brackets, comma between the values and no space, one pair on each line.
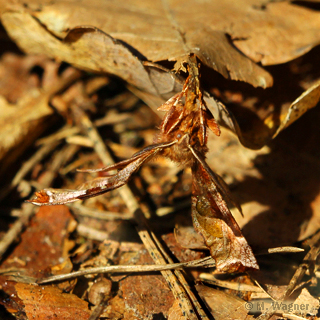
[218,182]
[214,221]
[101,185]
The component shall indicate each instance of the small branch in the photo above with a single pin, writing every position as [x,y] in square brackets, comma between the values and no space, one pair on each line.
[99,214]
[309,258]
[15,230]
[129,269]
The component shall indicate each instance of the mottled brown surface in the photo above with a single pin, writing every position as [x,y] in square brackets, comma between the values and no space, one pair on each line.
[46,302]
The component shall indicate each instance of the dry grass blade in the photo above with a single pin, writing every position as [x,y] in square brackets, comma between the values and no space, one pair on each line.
[207,277]
[28,165]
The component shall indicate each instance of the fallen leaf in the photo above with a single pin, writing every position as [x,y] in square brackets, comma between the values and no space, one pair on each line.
[142,294]
[31,114]
[45,302]
[223,306]
[156,33]
[115,46]
[309,99]
[310,305]
[185,234]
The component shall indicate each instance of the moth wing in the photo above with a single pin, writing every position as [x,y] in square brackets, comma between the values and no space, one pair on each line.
[101,185]
[214,221]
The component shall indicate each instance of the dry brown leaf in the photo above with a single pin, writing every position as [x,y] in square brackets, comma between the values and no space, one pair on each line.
[161,31]
[257,28]
[23,121]
[167,30]
[145,295]
[85,47]
[45,302]
[185,234]
[302,104]
[223,306]
[41,245]
[306,299]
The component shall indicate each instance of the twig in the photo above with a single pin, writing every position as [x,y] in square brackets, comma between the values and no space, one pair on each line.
[129,269]
[99,308]
[13,233]
[91,233]
[63,133]
[179,274]
[28,165]
[98,214]
[309,258]
[279,250]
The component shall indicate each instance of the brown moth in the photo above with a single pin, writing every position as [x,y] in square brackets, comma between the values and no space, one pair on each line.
[183,139]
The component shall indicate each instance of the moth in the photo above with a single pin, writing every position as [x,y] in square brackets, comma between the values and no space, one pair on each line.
[183,139]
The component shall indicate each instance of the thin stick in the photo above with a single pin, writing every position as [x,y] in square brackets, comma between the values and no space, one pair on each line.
[82,210]
[179,274]
[17,227]
[28,165]
[128,269]
[310,257]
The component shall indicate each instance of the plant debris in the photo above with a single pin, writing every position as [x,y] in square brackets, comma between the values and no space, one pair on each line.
[178,220]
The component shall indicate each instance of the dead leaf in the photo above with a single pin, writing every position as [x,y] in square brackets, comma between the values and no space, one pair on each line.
[113,45]
[223,306]
[310,304]
[45,302]
[142,294]
[31,114]
[154,28]
[185,234]
[309,99]
[40,246]
[155,31]
[182,254]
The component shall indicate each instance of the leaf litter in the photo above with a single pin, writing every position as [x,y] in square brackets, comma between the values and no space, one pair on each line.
[277,186]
